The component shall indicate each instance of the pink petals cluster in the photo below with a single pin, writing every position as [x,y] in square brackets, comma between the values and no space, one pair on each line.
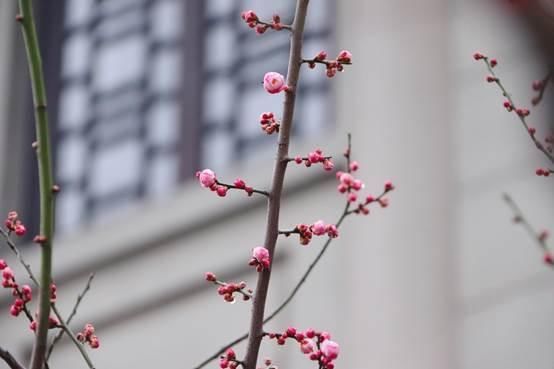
[21,295]
[208,179]
[318,228]
[13,224]
[269,123]
[349,185]
[332,65]
[254,21]
[87,336]
[228,290]
[260,258]
[274,83]
[316,345]
[316,157]
[229,360]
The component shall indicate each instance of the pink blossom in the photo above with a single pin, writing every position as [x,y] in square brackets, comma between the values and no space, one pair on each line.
[206,177]
[345,56]
[330,349]
[3,264]
[357,184]
[346,179]
[221,191]
[328,165]
[318,228]
[332,231]
[261,254]
[307,346]
[354,166]
[274,82]
[7,273]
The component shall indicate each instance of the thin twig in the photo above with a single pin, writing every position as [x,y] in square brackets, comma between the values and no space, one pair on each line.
[520,218]
[80,346]
[10,360]
[71,315]
[14,248]
[259,192]
[521,117]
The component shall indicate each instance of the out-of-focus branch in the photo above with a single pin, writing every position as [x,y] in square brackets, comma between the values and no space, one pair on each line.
[10,360]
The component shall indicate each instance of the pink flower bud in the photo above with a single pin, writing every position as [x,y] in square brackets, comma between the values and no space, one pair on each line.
[344,56]
[330,349]
[7,273]
[274,82]
[94,342]
[221,191]
[346,179]
[261,254]
[20,229]
[352,197]
[307,346]
[332,231]
[357,185]
[354,166]
[328,165]
[3,264]
[239,183]
[206,177]
[318,228]
[210,277]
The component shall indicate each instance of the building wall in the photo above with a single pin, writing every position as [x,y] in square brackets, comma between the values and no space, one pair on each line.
[440,279]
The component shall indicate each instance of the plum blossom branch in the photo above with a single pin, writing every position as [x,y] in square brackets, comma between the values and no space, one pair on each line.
[510,105]
[60,322]
[10,360]
[64,327]
[272,226]
[539,237]
[71,315]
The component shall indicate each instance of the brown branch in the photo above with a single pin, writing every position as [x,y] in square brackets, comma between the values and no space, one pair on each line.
[10,360]
[272,227]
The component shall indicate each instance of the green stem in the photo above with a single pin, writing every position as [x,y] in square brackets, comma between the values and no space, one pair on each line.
[45,177]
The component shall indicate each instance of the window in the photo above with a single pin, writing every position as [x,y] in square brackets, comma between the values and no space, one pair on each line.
[152,90]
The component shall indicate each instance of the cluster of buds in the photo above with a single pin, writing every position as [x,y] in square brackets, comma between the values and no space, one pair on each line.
[228,290]
[14,224]
[52,323]
[87,336]
[349,185]
[260,258]
[208,179]
[269,123]
[316,345]
[316,157]
[254,21]
[543,172]
[332,65]
[318,228]
[229,360]
[21,295]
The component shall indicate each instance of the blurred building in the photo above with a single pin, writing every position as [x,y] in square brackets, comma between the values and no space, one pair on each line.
[142,93]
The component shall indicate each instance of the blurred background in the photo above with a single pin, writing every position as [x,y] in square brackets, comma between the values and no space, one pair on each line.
[142,93]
